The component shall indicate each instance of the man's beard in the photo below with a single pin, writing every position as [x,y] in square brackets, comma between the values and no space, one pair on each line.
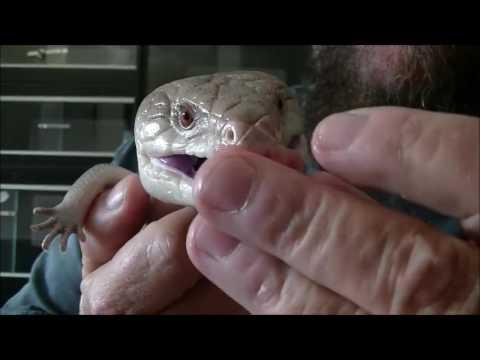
[435,78]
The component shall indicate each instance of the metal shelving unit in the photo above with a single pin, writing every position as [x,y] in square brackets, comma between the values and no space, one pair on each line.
[63,109]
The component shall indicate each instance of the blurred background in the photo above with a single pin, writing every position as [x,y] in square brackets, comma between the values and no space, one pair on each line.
[66,108]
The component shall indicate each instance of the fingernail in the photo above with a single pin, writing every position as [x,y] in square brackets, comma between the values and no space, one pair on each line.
[227,186]
[211,242]
[116,196]
[338,131]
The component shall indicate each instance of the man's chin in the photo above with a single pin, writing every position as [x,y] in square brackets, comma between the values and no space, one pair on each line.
[389,66]
[436,78]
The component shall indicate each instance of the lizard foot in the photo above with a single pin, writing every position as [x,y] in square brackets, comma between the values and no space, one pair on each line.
[59,225]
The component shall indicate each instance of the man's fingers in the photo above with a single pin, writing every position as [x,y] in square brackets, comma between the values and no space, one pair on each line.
[381,260]
[148,273]
[258,281]
[116,215]
[339,184]
[205,299]
[428,158]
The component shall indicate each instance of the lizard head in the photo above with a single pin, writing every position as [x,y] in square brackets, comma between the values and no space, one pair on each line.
[182,123]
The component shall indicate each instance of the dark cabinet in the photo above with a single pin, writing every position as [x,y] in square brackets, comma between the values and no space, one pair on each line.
[78,56]
[63,109]
[45,124]
[19,245]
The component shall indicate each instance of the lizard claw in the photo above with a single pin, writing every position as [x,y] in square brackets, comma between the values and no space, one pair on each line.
[58,225]
[63,240]
[44,225]
[50,236]
[45,211]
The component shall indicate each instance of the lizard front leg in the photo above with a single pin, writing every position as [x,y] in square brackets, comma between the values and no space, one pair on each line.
[68,216]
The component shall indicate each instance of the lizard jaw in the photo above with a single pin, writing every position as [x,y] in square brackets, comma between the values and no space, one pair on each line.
[185,164]
[169,178]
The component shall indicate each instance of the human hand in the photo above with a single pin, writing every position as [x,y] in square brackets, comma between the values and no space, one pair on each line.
[280,242]
[130,270]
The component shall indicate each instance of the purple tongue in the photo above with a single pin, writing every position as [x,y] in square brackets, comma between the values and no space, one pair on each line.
[183,163]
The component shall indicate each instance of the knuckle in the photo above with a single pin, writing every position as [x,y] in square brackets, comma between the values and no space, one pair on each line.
[426,274]
[281,214]
[87,306]
[101,296]
[399,142]
[84,286]
[402,140]
[97,306]
[84,306]
[164,247]
[329,229]
[330,307]
[322,301]
[90,303]
[294,294]
[295,221]
[96,300]
[312,300]
[267,285]
[267,296]
[410,132]
[309,228]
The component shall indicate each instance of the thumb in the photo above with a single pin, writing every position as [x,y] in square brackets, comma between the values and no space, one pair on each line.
[116,215]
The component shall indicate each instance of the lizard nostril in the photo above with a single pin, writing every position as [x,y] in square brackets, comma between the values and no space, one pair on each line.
[230,135]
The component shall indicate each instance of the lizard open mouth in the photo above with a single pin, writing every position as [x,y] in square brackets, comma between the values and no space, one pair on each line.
[186,164]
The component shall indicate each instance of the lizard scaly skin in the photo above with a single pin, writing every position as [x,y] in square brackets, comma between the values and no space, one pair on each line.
[177,127]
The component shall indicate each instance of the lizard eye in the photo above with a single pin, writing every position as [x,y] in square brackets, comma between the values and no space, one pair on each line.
[185,118]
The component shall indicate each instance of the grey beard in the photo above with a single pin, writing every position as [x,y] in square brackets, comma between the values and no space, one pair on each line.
[435,78]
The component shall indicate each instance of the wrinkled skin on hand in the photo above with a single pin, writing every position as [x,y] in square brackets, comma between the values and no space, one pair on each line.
[132,269]
[325,249]
[274,241]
